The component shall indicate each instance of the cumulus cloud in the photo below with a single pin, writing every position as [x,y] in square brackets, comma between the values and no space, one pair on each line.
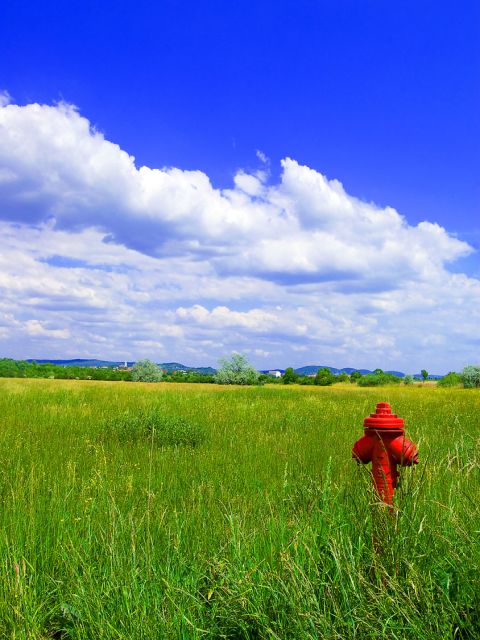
[36,328]
[55,165]
[107,258]
[255,320]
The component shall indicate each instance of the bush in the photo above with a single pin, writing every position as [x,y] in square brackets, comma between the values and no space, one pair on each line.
[153,426]
[471,377]
[369,380]
[289,377]
[452,379]
[342,377]
[355,376]
[146,371]
[408,379]
[324,377]
[378,379]
[236,370]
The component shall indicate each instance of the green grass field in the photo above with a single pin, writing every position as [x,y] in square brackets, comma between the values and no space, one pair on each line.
[190,511]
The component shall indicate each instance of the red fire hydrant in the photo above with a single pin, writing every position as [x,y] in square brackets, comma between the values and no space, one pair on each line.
[384,445]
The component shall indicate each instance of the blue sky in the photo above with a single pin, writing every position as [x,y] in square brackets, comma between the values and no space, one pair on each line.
[244,239]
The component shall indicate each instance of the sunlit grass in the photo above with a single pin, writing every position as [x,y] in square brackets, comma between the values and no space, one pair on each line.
[247,518]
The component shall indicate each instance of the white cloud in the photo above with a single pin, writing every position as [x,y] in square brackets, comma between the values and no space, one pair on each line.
[129,262]
[36,328]
[55,165]
[262,156]
[5,98]
[252,185]
[255,320]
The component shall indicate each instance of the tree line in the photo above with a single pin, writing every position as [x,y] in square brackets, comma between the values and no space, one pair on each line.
[10,368]
[233,370]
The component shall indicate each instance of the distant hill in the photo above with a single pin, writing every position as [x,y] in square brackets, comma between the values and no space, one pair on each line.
[80,362]
[172,366]
[313,368]
[177,366]
[210,371]
[307,370]
[84,362]
[418,376]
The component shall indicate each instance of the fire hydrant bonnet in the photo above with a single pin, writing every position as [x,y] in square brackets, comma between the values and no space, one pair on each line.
[383,420]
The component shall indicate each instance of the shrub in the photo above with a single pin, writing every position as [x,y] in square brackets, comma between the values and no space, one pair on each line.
[377,379]
[236,370]
[471,377]
[355,376]
[146,371]
[369,380]
[153,426]
[452,379]
[342,377]
[289,377]
[408,379]
[324,377]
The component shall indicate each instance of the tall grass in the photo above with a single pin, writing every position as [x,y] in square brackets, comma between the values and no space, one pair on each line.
[165,511]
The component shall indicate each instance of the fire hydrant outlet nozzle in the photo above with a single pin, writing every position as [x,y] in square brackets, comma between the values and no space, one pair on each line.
[385,446]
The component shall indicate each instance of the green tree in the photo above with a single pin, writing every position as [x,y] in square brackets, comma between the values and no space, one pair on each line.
[424,373]
[471,376]
[289,377]
[236,370]
[324,377]
[355,376]
[146,371]
[408,379]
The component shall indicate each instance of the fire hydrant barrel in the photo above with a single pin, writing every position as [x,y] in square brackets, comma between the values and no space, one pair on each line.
[385,446]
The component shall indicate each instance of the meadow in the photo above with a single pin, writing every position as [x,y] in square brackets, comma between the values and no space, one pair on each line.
[161,511]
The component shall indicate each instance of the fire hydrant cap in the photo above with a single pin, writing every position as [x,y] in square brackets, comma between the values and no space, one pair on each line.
[383,419]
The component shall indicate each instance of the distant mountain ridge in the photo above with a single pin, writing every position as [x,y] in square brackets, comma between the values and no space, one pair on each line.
[307,370]
[79,362]
[176,366]
[312,369]
[92,362]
